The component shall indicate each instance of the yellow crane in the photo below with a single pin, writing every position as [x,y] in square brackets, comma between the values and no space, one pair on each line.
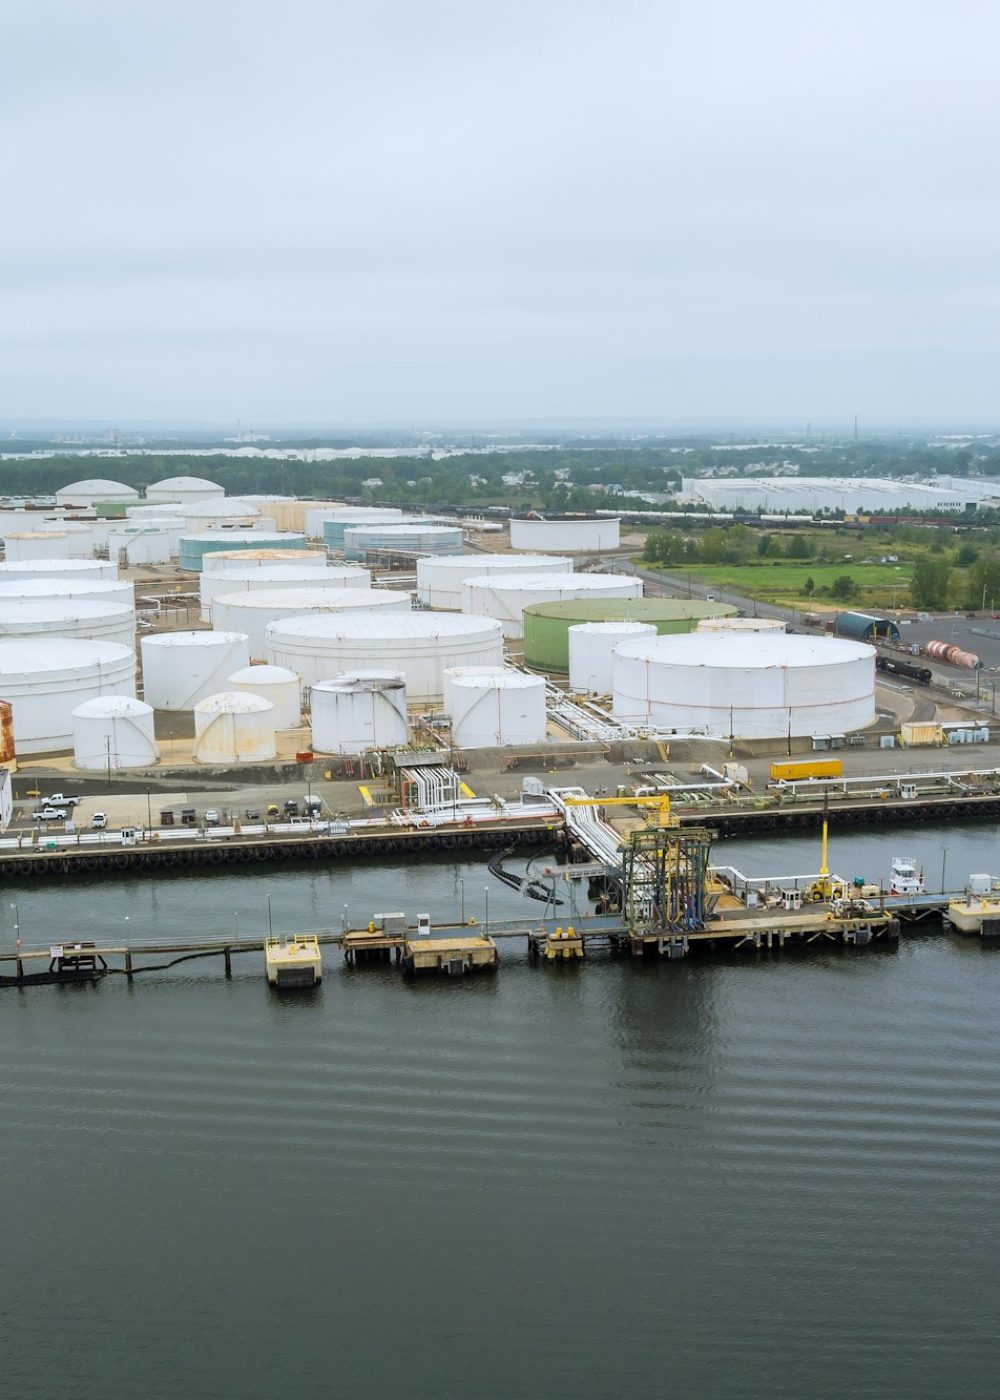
[660,801]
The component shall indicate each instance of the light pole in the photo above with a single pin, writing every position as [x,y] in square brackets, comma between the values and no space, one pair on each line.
[270,928]
[944,862]
[17,925]
[486,892]
[236,924]
[462,885]
[149,812]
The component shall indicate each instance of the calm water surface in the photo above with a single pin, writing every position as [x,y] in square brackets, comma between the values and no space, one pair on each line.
[761,1178]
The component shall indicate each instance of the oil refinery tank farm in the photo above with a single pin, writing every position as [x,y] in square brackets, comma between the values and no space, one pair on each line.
[762,686]
[546,625]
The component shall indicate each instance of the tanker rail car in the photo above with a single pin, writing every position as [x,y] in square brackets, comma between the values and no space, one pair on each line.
[896,667]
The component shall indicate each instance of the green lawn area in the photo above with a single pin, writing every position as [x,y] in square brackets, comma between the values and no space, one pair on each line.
[784,581]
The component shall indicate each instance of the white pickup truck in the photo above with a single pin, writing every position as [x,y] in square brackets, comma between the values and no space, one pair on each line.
[58,799]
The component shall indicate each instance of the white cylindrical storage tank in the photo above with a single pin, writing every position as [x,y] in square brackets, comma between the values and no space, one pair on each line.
[181,668]
[439,581]
[282,687]
[420,645]
[416,537]
[234,727]
[487,711]
[591,648]
[90,618]
[64,541]
[148,546]
[46,678]
[226,560]
[762,686]
[314,513]
[58,568]
[453,673]
[94,490]
[567,534]
[183,491]
[506,596]
[113,731]
[100,589]
[740,624]
[216,511]
[252,611]
[213,582]
[360,711]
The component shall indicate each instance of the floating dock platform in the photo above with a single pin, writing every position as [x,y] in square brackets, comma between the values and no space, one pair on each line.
[471,952]
[295,961]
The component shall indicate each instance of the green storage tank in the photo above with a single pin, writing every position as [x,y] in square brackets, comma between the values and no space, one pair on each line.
[546,625]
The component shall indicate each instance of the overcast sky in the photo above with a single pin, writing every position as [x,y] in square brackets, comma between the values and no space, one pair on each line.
[395,211]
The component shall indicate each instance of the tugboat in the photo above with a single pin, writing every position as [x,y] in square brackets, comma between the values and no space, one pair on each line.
[906,878]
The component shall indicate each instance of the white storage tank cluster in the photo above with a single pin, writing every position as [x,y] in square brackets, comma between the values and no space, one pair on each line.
[565,534]
[252,612]
[277,684]
[336,521]
[113,731]
[408,537]
[740,624]
[104,589]
[453,673]
[89,618]
[46,678]
[181,668]
[213,582]
[66,540]
[234,727]
[506,596]
[762,686]
[229,559]
[365,709]
[184,491]
[491,710]
[420,645]
[591,652]
[59,568]
[439,581]
[93,490]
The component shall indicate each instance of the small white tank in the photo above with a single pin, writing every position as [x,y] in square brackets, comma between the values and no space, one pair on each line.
[275,683]
[234,727]
[360,711]
[254,610]
[452,673]
[488,711]
[591,648]
[113,731]
[181,668]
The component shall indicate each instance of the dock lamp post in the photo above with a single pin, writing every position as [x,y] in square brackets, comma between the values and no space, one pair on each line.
[486,892]
[461,883]
[17,925]
[270,927]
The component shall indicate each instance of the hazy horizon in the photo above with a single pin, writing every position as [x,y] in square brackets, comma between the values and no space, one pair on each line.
[466,216]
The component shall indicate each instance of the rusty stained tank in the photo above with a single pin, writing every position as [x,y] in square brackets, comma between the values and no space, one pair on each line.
[7,756]
[952,655]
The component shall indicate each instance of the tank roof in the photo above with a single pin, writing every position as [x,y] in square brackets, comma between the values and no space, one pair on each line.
[193,639]
[381,626]
[627,609]
[233,702]
[111,707]
[262,675]
[759,651]
[48,653]
[186,483]
[306,598]
[94,484]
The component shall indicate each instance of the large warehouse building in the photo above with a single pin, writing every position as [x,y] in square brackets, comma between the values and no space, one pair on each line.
[809,495]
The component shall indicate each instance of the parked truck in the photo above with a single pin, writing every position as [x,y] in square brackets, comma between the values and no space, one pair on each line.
[800,770]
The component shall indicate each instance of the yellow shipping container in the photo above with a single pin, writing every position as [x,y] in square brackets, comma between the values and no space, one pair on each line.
[796,771]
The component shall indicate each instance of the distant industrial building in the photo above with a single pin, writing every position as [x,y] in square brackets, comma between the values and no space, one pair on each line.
[810,495]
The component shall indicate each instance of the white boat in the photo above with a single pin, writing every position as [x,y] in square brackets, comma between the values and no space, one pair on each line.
[906,878]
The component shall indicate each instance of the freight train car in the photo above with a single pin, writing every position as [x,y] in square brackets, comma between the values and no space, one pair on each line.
[896,667]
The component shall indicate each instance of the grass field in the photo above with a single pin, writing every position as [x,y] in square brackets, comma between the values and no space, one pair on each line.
[879,585]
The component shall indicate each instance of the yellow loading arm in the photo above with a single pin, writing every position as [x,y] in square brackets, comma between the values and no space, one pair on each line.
[660,801]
